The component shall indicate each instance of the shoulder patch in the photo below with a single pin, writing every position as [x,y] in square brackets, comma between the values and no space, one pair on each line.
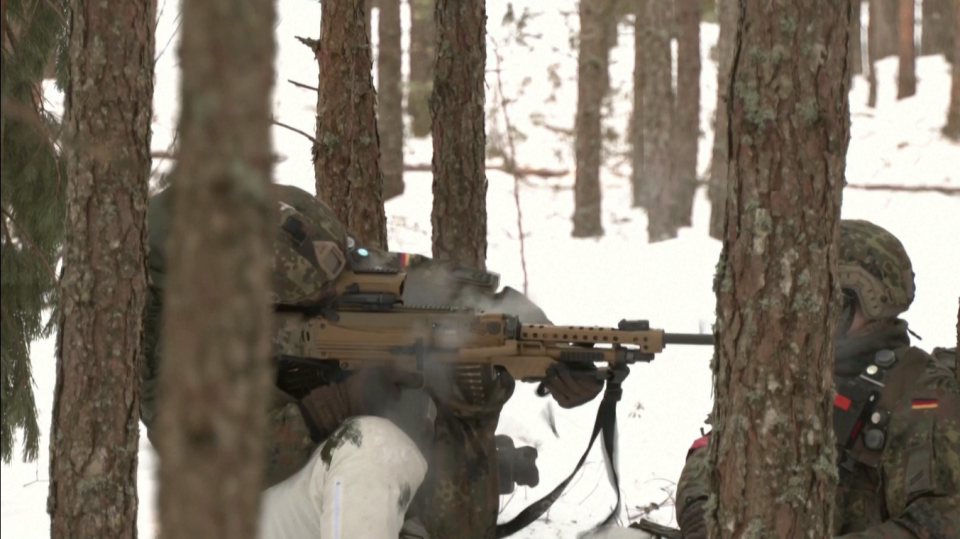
[923,404]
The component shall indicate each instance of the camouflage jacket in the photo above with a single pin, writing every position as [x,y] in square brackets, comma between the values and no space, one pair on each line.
[909,489]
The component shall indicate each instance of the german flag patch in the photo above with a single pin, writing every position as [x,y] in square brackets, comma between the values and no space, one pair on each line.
[923,404]
[404,260]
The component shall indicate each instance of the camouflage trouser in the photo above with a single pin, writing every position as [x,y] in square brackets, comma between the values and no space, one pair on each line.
[358,483]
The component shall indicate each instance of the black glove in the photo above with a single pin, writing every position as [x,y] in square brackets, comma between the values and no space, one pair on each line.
[693,523]
[573,387]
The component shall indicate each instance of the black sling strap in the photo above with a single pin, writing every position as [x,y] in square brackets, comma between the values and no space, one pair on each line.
[605,424]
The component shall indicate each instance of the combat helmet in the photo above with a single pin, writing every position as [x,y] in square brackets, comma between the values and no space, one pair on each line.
[309,247]
[875,267]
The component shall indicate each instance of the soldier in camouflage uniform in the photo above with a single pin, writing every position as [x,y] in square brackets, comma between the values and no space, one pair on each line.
[899,465]
[346,457]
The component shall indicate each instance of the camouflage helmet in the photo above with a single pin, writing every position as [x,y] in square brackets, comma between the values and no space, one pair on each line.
[309,247]
[875,266]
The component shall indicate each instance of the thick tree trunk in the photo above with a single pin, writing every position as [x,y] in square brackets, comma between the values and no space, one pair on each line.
[873,48]
[856,53]
[390,94]
[95,432]
[423,35]
[592,84]
[886,14]
[938,28]
[215,381]
[636,121]
[661,197]
[687,121]
[777,298]
[907,74]
[346,156]
[459,215]
[952,128]
[727,13]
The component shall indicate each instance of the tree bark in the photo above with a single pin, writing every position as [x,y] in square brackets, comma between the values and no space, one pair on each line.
[856,53]
[873,49]
[423,36]
[958,330]
[459,215]
[952,128]
[907,75]
[346,155]
[717,189]
[661,193]
[390,102]
[215,382]
[777,298]
[687,121]
[95,435]
[592,84]
[636,121]
[938,28]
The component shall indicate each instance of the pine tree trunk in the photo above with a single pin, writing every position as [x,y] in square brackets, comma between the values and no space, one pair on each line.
[390,98]
[777,298]
[727,13]
[346,156]
[886,14]
[873,47]
[952,128]
[95,432]
[423,35]
[938,28]
[687,121]
[215,380]
[661,193]
[459,215]
[856,53]
[592,84]
[907,75]
[636,121]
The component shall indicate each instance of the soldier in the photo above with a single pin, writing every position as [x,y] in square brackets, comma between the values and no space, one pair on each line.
[899,456]
[345,452]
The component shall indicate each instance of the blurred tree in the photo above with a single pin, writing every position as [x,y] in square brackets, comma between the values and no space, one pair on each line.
[346,153]
[686,125]
[592,84]
[776,284]
[422,45]
[938,28]
[636,119]
[661,194]
[875,30]
[856,53]
[717,190]
[390,98]
[907,73]
[108,110]
[886,15]
[32,205]
[215,381]
[952,128]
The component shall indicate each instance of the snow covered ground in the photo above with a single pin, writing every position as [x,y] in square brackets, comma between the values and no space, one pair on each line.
[597,281]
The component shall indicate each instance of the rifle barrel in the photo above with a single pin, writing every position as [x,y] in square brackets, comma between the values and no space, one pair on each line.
[688,338]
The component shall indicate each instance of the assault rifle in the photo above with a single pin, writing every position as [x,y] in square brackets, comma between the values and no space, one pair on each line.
[450,327]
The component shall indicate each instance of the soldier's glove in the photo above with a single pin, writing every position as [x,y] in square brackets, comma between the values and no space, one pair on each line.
[693,523]
[367,392]
[572,387]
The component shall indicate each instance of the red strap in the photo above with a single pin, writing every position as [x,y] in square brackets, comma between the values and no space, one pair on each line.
[700,442]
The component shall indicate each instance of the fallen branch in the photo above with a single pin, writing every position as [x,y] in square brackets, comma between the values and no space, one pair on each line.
[942,189]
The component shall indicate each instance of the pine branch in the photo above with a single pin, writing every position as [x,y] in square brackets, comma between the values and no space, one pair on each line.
[942,189]
[312,43]
[295,130]
[302,85]
[25,236]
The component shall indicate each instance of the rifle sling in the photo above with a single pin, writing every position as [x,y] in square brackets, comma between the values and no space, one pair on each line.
[605,424]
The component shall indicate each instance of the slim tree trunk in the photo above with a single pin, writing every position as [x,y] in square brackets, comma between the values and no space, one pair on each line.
[423,35]
[592,84]
[777,298]
[346,155]
[952,128]
[636,121]
[459,215]
[215,382]
[886,14]
[687,121]
[873,47]
[95,435]
[390,102]
[727,13]
[938,28]
[661,194]
[856,54]
[907,75]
